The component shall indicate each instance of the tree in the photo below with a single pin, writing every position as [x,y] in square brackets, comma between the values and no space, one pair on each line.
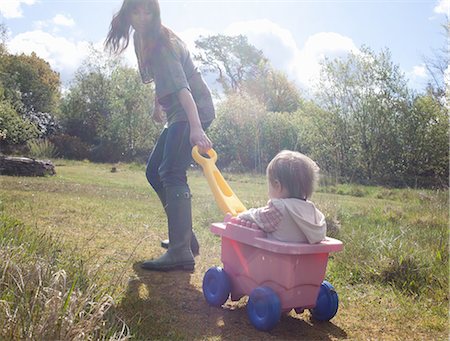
[32,88]
[274,90]
[31,81]
[319,136]
[130,125]
[3,36]
[232,58]
[236,132]
[437,65]
[366,94]
[425,141]
[108,108]
[247,137]
[86,108]
[14,130]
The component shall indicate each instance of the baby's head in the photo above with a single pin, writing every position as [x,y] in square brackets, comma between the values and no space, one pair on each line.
[292,175]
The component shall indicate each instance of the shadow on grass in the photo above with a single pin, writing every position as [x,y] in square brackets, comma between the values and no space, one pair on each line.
[166,306]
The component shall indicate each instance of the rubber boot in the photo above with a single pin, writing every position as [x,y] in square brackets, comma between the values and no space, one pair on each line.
[195,247]
[179,255]
[162,197]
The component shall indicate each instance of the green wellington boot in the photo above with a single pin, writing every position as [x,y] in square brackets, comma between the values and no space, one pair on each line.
[179,255]
[195,247]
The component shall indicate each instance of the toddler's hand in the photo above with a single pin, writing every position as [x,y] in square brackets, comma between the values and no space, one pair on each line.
[228,217]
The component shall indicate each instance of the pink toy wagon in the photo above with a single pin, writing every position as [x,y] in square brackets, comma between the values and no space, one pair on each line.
[277,276]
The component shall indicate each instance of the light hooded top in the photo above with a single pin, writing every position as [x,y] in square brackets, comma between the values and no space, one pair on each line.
[172,69]
[289,220]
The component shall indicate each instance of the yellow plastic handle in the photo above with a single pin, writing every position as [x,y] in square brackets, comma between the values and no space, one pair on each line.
[227,201]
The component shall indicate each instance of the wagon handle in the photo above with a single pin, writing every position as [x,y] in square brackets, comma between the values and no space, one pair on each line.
[225,198]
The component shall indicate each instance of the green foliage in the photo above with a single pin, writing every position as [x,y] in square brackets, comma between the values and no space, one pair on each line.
[86,108]
[365,94]
[31,88]
[108,109]
[3,36]
[274,89]
[70,147]
[277,132]
[48,294]
[130,124]
[319,136]
[14,129]
[41,148]
[372,128]
[31,85]
[247,137]
[425,139]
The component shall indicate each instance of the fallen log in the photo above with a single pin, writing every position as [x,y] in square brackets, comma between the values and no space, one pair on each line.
[23,166]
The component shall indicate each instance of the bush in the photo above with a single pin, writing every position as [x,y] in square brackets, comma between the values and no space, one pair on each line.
[41,149]
[70,147]
[107,151]
[246,137]
[14,129]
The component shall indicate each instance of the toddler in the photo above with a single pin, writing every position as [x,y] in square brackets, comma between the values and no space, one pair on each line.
[289,215]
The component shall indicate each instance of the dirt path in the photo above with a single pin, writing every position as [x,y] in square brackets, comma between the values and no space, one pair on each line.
[169,306]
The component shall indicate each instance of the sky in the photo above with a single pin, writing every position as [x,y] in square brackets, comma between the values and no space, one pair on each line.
[295,35]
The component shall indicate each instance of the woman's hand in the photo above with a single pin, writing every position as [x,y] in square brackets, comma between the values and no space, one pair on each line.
[158,114]
[199,138]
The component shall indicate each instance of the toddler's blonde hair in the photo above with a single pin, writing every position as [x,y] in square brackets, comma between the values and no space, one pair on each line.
[294,171]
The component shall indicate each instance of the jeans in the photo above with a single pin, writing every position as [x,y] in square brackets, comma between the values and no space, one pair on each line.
[171,157]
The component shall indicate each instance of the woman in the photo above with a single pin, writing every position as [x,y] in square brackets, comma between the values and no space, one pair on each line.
[182,94]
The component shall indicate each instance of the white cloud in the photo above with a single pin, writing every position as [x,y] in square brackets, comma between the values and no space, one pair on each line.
[417,77]
[191,35]
[13,8]
[300,63]
[318,47]
[419,71]
[64,56]
[57,21]
[442,7]
[62,20]
[277,43]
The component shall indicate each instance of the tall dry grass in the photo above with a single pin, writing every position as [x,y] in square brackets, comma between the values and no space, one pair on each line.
[47,294]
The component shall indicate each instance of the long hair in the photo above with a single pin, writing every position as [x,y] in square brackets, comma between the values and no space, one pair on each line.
[118,36]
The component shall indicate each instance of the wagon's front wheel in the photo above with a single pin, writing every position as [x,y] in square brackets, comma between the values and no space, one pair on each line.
[264,308]
[327,303]
[216,286]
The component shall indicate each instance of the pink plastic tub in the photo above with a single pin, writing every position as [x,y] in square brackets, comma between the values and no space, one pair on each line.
[291,273]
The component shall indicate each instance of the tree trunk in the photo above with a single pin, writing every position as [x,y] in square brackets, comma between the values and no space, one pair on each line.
[22,166]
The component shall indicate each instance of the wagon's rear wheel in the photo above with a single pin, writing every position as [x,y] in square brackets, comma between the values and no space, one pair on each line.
[264,308]
[216,286]
[327,303]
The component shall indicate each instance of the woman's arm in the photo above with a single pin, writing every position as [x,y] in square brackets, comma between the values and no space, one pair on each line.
[197,135]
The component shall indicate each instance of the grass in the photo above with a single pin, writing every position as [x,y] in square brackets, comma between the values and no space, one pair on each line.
[47,295]
[392,277]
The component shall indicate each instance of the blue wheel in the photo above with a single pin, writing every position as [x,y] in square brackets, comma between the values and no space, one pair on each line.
[216,286]
[327,303]
[264,308]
